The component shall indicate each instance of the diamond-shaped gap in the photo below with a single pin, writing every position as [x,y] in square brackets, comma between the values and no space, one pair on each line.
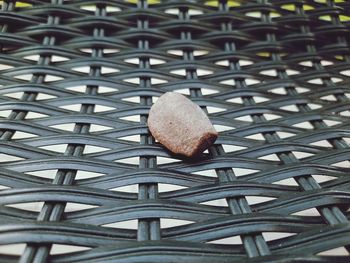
[255,14]
[110,50]
[155,81]
[209,173]
[111,9]
[252,81]
[166,160]
[172,11]
[98,128]
[339,251]
[132,138]
[200,52]
[314,106]
[81,174]
[5,113]
[132,188]
[243,62]
[45,96]
[23,135]
[345,113]
[180,72]
[108,70]
[162,187]
[235,240]
[291,72]
[80,88]
[212,109]
[307,212]
[5,67]
[32,57]
[59,148]
[83,69]
[254,200]
[104,89]
[236,100]
[48,174]
[326,63]
[86,50]
[13,249]
[129,224]
[336,80]
[330,97]
[224,63]
[183,91]
[331,122]
[75,207]
[345,72]
[28,206]
[132,99]
[259,99]
[194,12]
[323,178]
[301,155]
[222,128]
[103,108]
[14,95]
[279,91]
[270,116]
[302,90]
[269,236]
[342,164]
[238,171]
[204,72]
[88,149]
[64,126]
[206,91]
[56,58]
[130,160]
[9,158]
[156,61]
[317,81]
[35,115]
[133,118]
[287,181]
[91,8]
[303,125]
[25,77]
[284,135]
[256,136]
[322,143]
[232,148]
[291,107]
[59,249]
[246,118]
[269,157]
[132,80]
[170,222]
[4,187]
[52,78]
[269,72]
[135,61]
[218,202]
[230,82]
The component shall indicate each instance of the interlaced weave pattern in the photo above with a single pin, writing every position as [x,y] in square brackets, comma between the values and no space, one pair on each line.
[82,179]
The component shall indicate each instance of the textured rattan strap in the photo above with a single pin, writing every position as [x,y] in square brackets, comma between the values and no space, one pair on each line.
[82,179]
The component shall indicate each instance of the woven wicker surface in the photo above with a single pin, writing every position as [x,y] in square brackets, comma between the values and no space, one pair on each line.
[83,180]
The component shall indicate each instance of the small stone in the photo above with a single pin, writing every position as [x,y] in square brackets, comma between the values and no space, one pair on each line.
[181,125]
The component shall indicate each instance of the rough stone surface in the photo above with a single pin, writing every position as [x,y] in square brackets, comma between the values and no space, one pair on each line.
[181,125]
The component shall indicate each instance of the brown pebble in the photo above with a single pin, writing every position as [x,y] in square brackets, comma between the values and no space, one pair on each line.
[181,125]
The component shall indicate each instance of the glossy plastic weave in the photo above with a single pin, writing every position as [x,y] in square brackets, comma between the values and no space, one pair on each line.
[82,179]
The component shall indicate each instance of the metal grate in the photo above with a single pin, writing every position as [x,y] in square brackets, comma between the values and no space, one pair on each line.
[82,179]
